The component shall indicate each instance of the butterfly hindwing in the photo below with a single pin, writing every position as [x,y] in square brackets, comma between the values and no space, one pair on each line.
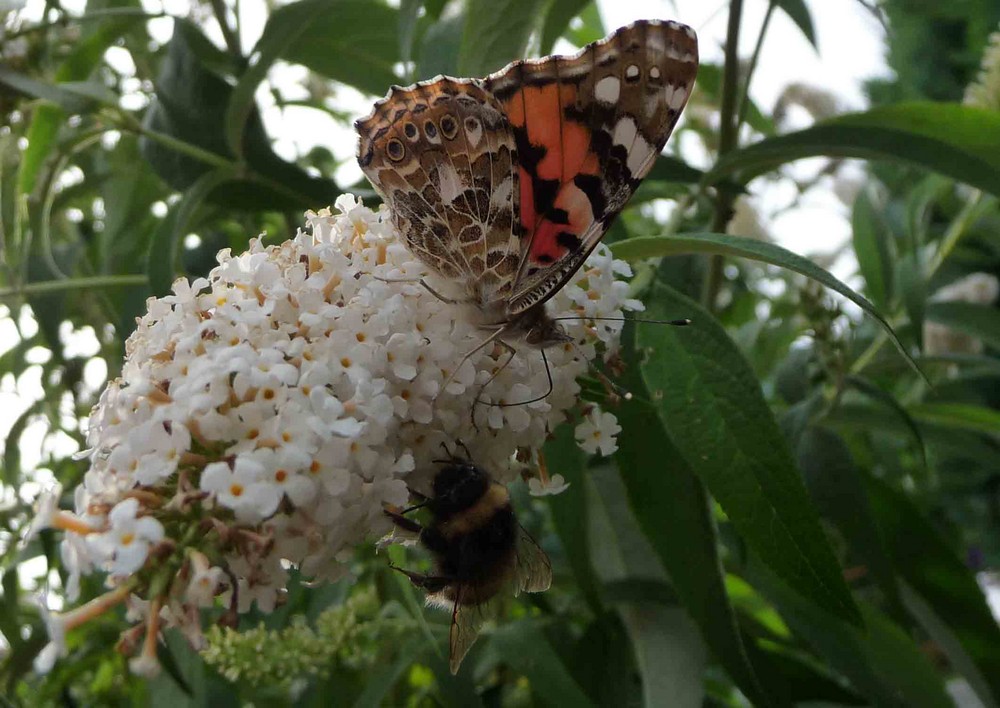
[588,128]
[443,157]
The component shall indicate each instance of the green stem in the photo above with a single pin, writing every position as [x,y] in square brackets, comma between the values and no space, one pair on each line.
[51,286]
[92,16]
[129,123]
[958,228]
[231,38]
[728,136]
[237,169]
[745,99]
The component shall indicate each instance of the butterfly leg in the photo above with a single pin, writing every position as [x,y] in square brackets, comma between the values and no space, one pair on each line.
[426,286]
[479,347]
[548,375]
[513,352]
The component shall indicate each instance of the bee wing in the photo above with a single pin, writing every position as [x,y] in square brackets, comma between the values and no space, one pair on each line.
[466,621]
[531,572]
[534,570]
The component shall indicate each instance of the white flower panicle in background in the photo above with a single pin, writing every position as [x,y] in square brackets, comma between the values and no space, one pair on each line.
[984,92]
[266,416]
[975,288]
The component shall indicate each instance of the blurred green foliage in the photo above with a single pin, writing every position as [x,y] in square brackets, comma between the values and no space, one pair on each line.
[798,507]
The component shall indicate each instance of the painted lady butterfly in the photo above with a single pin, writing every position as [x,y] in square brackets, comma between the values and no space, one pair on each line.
[506,184]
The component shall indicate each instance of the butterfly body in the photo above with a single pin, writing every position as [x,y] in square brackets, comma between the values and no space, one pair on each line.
[504,185]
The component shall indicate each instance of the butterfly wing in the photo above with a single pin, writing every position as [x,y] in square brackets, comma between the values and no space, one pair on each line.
[443,157]
[588,128]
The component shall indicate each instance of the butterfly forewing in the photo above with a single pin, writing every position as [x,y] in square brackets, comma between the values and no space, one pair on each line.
[443,157]
[588,128]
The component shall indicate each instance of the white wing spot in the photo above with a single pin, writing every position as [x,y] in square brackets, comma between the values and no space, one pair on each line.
[631,71]
[451,183]
[638,156]
[608,89]
[677,99]
[500,197]
[654,72]
[474,134]
[625,132]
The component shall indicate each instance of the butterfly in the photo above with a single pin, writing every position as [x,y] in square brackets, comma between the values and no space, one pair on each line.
[506,184]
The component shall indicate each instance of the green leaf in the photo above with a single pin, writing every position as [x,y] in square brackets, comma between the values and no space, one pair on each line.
[958,415]
[409,12]
[525,649]
[673,169]
[710,81]
[284,28]
[659,246]
[439,48]
[979,321]
[355,42]
[605,645]
[668,648]
[939,577]
[799,14]
[496,32]
[805,682]
[881,661]
[877,394]
[835,484]
[557,19]
[710,402]
[73,97]
[163,247]
[958,141]
[47,120]
[873,248]
[657,477]
[383,678]
[668,653]
[569,510]
[190,109]
[943,636]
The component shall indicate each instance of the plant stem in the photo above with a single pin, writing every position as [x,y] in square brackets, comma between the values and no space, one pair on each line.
[231,38]
[728,136]
[97,281]
[745,99]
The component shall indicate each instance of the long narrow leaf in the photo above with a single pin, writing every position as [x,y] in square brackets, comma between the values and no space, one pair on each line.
[713,410]
[659,246]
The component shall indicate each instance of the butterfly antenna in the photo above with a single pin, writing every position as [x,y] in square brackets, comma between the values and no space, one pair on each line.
[479,347]
[548,374]
[612,389]
[683,322]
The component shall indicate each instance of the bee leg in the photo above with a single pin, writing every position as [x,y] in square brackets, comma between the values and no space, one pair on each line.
[404,523]
[430,583]
[417,495]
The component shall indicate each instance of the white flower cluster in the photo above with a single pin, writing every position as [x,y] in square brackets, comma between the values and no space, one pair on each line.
[984,92]
[265,416]
[975,288]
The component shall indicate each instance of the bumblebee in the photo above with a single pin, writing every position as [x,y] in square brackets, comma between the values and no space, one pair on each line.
[480,550]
